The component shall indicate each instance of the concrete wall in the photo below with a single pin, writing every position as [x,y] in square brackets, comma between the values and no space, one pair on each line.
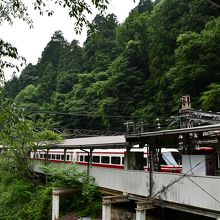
[122,180]
[198,191]
[194,164]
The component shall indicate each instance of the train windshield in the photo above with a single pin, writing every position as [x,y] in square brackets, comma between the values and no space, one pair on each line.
[171,158]
[177,157]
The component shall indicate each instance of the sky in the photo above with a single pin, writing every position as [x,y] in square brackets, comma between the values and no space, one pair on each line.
[31,42]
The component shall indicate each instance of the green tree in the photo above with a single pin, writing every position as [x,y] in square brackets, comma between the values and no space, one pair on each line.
[28,94]
[143,6]
[210,98]
[17,135]
[11,87]
[131,38]
[66,81]
[197,61]
[72,58]
[47,84]
[28,76]
[99,47]
[53,51]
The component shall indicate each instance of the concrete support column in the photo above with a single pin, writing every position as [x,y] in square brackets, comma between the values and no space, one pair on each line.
[56,200]
[140,212]
[106,209]
[142,208]
[55,205]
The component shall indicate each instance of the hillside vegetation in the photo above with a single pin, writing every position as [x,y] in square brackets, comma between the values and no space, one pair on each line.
[136,70]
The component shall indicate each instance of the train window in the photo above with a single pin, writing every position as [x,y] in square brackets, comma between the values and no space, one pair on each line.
[67,157]
[168,159]
[62,157]
[162,161]
[86,158]
[123,160]
[81,158]
[105,159]
[49,156]
[41,156]
[53,156]
[115,160]
[177,157]
[58,156]
[96,159]
[145,161]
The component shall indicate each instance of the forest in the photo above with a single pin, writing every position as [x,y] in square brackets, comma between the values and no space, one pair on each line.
[137,70]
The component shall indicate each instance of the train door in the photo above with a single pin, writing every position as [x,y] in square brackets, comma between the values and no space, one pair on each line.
[210,167]
[212,164]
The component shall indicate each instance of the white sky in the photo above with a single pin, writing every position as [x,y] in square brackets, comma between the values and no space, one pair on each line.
[31,42]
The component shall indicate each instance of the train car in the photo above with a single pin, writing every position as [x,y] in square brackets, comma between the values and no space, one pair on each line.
[170,159]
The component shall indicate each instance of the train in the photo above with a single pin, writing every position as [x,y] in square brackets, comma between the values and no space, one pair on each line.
[170,159]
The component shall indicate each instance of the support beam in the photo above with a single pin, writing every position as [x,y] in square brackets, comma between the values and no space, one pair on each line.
[151,168]
[47,154]
[65,155]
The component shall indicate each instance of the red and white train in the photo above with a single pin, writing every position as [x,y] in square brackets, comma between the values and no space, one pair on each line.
[170,159]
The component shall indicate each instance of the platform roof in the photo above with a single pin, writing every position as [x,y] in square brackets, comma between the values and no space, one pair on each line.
[172,138]
[93,142]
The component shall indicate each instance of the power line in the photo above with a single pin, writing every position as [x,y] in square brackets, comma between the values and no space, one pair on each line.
[80,114]
[204,190]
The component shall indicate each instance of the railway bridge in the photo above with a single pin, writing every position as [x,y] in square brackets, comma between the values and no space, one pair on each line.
[195,190]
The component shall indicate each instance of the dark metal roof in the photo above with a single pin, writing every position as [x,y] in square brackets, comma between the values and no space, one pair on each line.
[171,138]
[94,142]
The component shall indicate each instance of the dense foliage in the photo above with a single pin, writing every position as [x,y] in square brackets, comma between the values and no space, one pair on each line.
[137,70]
[23,193]
[22,199]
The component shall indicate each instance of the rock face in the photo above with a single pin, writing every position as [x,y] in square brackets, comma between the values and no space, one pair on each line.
[72,217]
[69,217]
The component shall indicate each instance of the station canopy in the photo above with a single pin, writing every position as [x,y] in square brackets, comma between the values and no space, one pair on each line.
[201,135]
[175,138]
[99,142]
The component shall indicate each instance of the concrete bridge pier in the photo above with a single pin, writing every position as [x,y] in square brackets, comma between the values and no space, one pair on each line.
[56,201]
[106,204]
[106,209]
[55,205]
[141,210]
[140,213]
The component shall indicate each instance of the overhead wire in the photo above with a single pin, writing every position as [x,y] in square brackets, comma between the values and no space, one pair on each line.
[81,114]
